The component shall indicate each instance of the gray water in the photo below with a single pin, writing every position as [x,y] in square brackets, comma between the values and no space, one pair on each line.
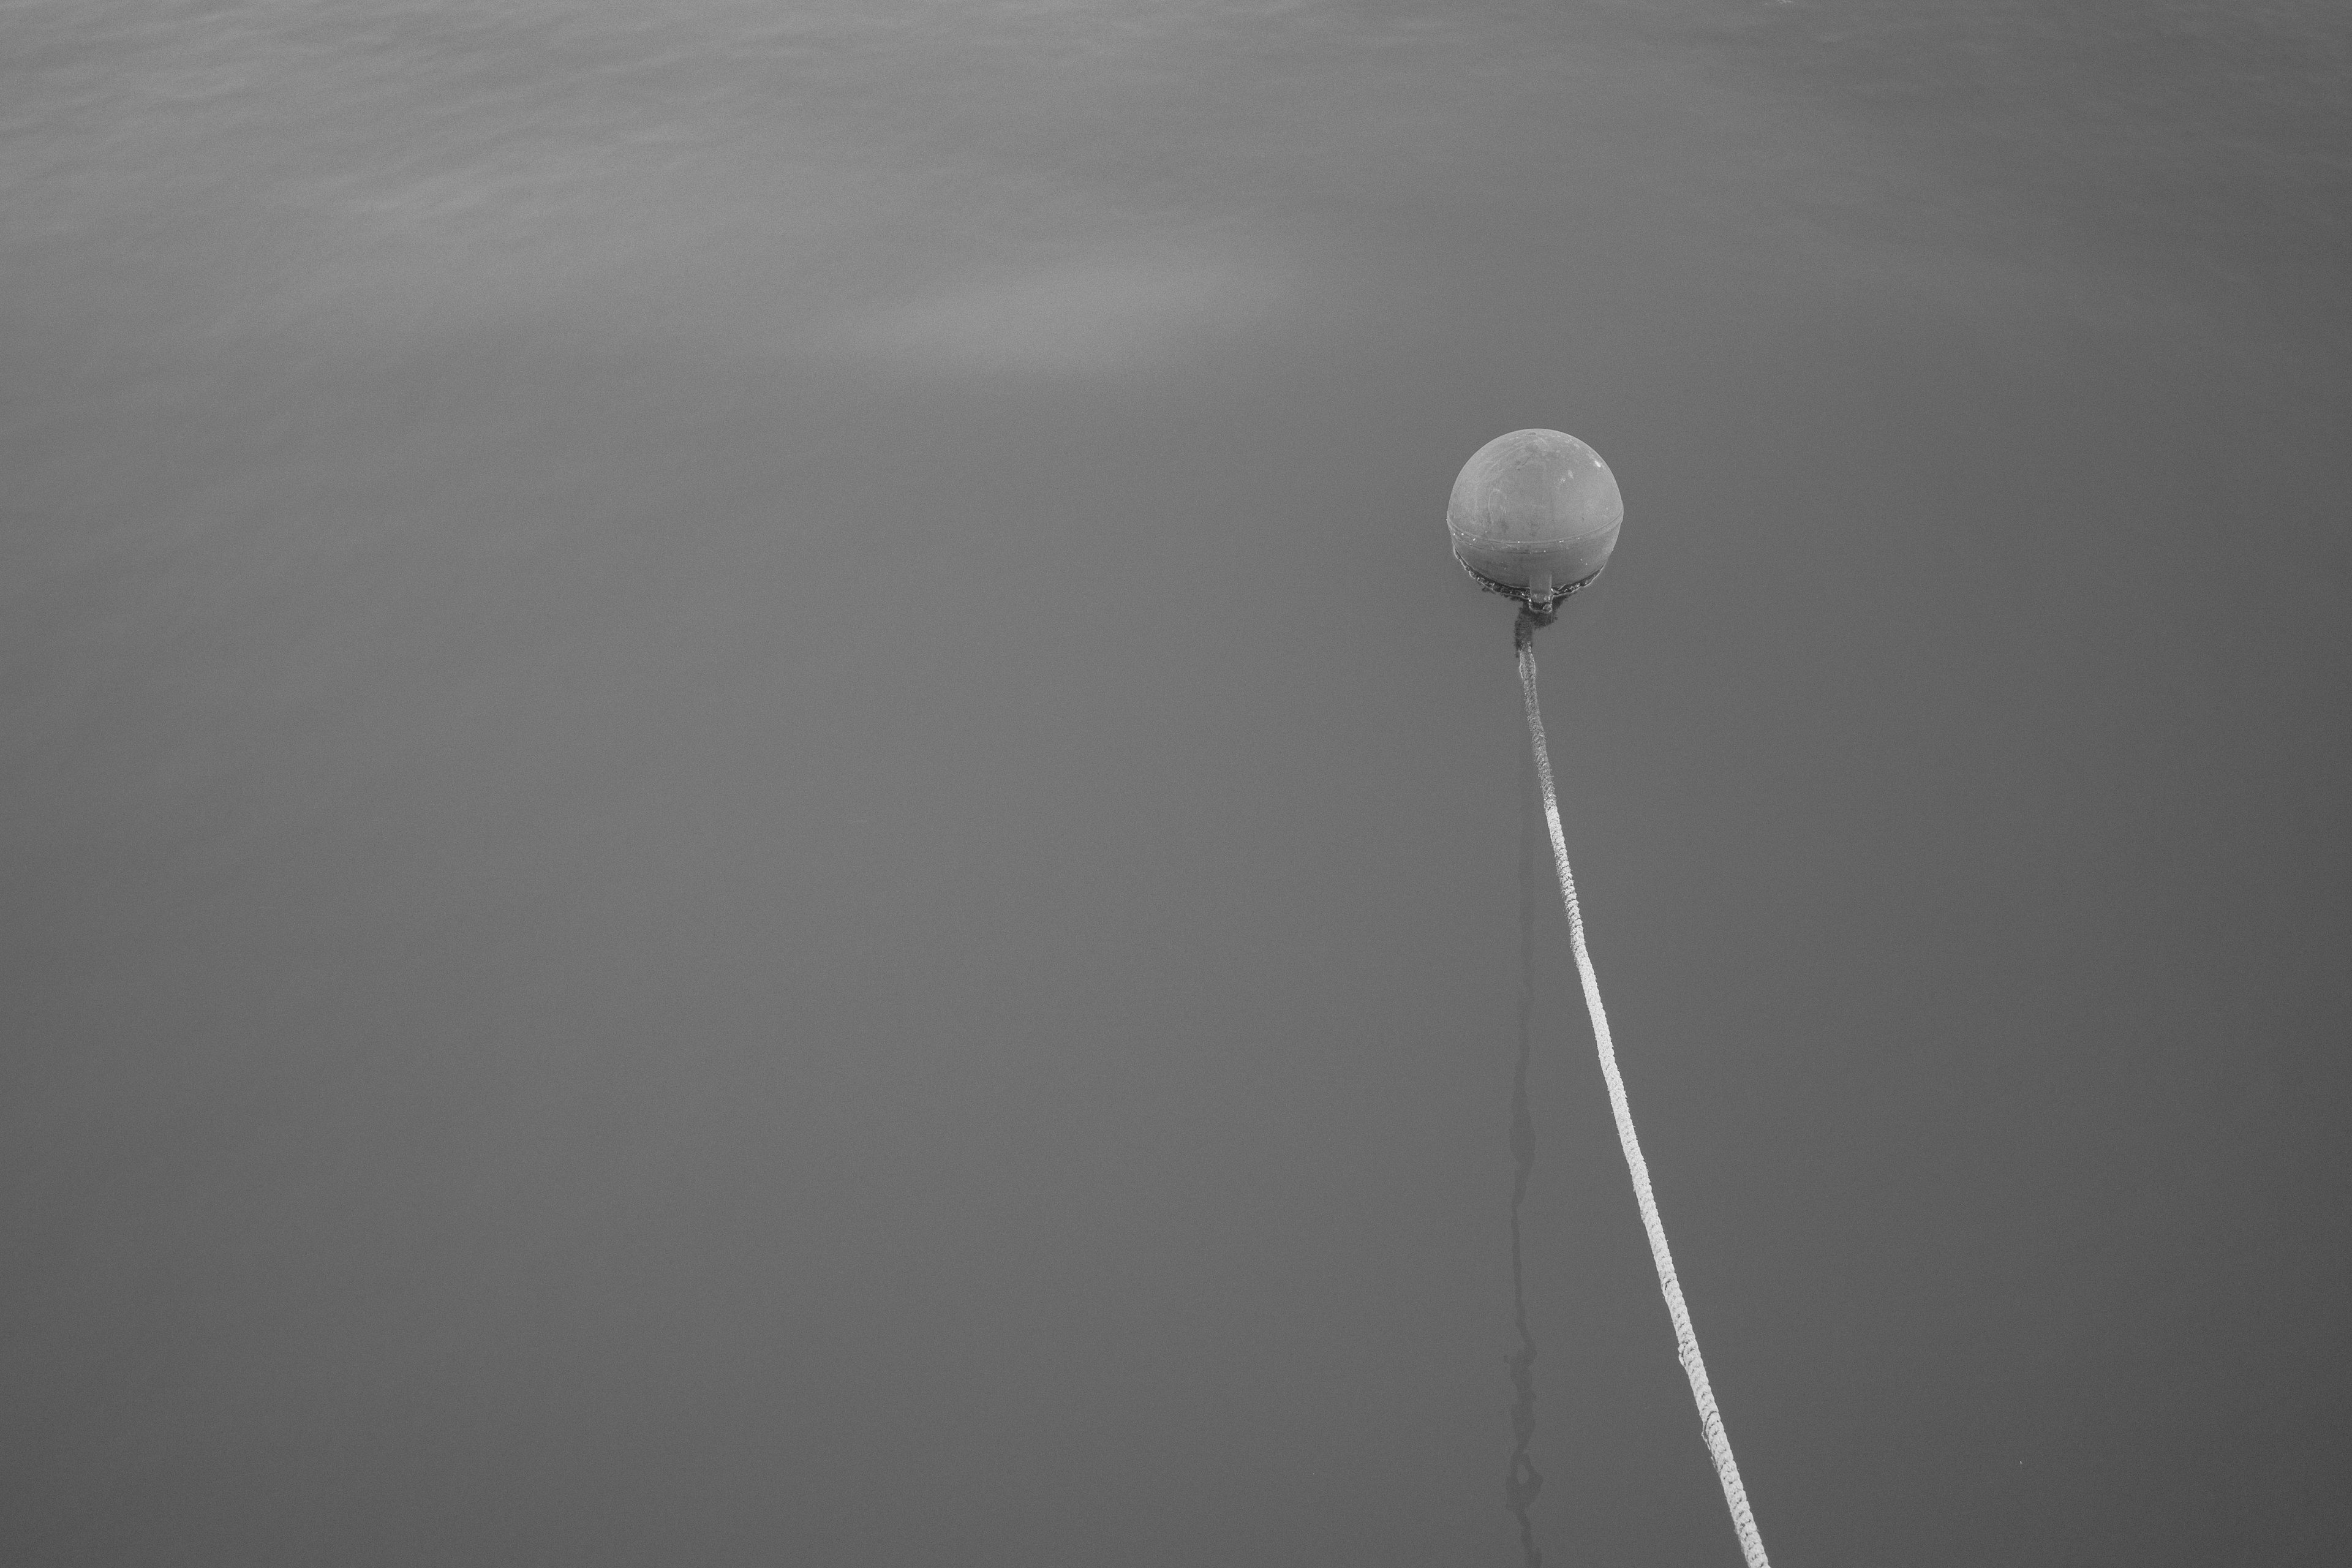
[749,817]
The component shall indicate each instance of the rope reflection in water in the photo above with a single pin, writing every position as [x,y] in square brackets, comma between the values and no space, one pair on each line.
[1521,1481]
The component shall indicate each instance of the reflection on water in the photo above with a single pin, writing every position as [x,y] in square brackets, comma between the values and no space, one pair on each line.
[675,679]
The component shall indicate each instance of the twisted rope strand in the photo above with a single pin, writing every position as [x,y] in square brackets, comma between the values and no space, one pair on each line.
[1710,1419]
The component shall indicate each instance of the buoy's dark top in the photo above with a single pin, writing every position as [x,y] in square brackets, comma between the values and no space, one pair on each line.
[1536,514]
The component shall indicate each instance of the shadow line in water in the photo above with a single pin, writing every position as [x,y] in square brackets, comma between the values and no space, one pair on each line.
[1521,1481]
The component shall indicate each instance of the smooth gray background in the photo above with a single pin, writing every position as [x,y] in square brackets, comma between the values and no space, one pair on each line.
[749,817]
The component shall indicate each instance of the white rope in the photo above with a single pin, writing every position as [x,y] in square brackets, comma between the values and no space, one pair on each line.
[1710,1419]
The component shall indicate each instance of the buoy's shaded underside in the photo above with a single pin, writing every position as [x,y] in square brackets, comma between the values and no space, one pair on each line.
[1524,589]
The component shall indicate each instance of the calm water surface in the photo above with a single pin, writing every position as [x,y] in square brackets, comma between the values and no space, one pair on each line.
[749,817]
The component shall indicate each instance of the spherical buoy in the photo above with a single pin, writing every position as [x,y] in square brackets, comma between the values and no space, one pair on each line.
[1534,515]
